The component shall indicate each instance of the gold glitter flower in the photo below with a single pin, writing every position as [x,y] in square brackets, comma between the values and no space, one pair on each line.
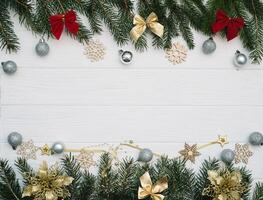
[190,152]
[242,153]
[27,150]
[176,54]
[85,159]
[95,50]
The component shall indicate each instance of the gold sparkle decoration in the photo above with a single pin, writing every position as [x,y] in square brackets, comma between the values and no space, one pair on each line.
[95,50]
[85,159]
[176,54]
[190,152]
[27,150]
[222,140]
[242,153]
[47,184]
[45,150]
[225,185]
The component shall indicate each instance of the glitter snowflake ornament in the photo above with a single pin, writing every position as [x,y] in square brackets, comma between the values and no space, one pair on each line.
[85,159]
[242,153]
[176,54]
[95,50]
[27,150]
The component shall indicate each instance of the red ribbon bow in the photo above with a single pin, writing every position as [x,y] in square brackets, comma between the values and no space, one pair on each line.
[233,25]
[57,23]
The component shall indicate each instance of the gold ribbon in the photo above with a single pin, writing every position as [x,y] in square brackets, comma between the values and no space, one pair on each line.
[148,189]
[141,25]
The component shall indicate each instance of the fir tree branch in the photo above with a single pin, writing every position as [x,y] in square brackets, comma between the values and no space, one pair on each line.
[258,192]
[25,169]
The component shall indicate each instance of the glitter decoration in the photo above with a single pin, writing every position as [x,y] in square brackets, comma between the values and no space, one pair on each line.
[176,54]
[222,140]
[242,153]
[27,150]
[45,150]
[85,159]
[190,152]
[95,50]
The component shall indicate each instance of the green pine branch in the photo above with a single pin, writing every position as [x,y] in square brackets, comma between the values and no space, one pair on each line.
[258,192]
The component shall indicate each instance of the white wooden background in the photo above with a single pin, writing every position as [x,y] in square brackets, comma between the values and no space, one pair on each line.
[65,97]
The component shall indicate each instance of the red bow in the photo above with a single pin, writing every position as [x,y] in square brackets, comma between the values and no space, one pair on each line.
[233,25]
[57,23]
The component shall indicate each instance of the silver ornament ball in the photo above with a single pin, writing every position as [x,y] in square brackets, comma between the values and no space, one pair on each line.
[240,59]
[14,139]
[145,155]
[126,57]
[209,46]
[58,148]
[9,67]
[256,138]
[227,155]
[42,48]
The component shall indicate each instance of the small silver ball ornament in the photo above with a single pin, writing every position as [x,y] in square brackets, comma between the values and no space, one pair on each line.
[256,138]
[14,139]
[126,57]
[209,46]
[145,155]
[42,48]
[58,148]
[9,67]
[240,59]
[227,155]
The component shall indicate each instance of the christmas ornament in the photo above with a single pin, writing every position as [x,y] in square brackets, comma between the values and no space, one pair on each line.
[145,155]
[95,50]
[125,57]
[256,138]
[69,19]
[27,150]
[240,59]
[45,150]
[190,152]
[141,25]
[222,140]
[176,54]
[225,185]
[209,46]
[47,184]
[85,159]
[58,148]
[242,153]
[147,189]
[14,139]
[232,25]
[227,155]
[42,48]
[9,67]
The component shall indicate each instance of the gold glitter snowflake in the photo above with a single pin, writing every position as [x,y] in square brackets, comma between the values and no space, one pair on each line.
[27,150]
[190,152]
[176,54]
[85,159]
[242,153]
[95,50]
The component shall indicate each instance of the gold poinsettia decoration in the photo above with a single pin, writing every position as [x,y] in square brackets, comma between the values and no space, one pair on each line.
[225,185]
[47,184]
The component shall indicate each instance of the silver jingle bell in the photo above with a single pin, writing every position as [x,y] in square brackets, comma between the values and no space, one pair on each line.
[58,148]
[42,48]
[209,46]
[14,139]
[145,155]
[227,156]
[256,139]
[9,67]
[125,57]
[240,59]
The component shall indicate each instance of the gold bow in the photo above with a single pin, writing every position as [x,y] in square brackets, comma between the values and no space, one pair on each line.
[141,25]
[148,189]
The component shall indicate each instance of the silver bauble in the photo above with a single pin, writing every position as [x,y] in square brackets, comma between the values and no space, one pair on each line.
[209,46]
[145,155]
[240,59]
[227,155]
[42,48]
[256,138]
[58,148]
[125,57]
[14,139]
[9,67]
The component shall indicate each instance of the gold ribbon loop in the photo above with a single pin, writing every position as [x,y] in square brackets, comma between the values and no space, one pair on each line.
[141,25]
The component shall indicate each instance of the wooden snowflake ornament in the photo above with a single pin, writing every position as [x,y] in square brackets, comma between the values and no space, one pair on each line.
[176,54]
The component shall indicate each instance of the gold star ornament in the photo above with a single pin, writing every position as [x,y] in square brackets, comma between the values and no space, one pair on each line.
[45,150]
[222,140]
[190,152]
